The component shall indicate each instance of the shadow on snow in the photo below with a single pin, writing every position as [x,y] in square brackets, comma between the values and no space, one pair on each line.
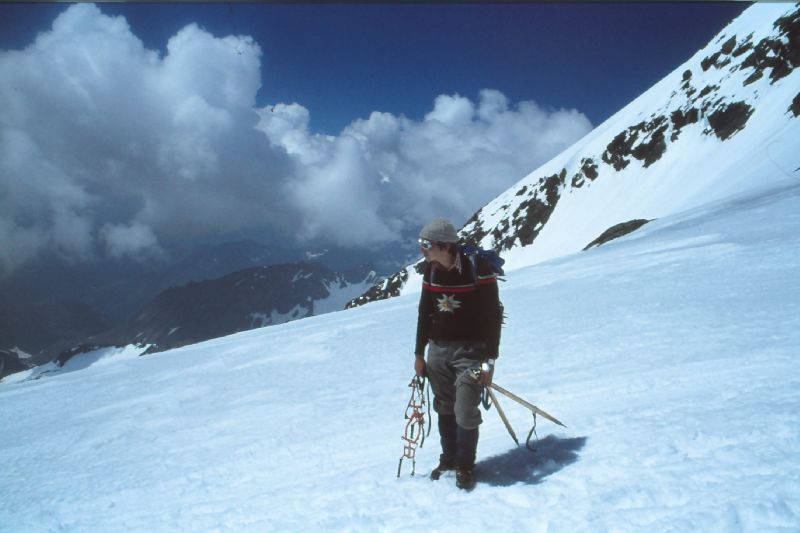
[520,465]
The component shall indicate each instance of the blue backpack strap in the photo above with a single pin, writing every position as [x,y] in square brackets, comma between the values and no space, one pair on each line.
[490,257]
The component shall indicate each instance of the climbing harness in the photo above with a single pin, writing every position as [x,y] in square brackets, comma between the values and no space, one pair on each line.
[415,434]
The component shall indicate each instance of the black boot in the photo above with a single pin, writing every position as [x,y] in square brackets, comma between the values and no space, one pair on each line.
[448,435]
[465,458]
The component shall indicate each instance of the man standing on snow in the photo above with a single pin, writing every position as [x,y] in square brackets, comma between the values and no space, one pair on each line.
[459,319]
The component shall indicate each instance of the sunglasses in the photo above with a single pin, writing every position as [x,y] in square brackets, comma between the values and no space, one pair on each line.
[425,244]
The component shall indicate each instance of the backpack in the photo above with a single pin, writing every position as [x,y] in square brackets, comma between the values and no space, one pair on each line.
[495,262]
[490,257]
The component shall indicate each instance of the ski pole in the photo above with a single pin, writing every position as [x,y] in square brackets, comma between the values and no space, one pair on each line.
[527,404]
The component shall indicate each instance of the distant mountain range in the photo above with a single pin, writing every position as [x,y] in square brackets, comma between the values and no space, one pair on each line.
[54,306]
[115,288]
[177,316]
[240,301]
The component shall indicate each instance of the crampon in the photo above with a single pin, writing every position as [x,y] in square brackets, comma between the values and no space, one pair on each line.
[414,435]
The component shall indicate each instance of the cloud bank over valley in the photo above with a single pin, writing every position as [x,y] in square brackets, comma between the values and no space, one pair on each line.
[110,149]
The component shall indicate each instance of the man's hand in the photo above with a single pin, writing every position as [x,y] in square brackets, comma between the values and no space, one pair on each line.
[419,366]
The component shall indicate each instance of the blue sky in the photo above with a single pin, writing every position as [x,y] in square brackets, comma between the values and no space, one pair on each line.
[131,128]
[343,61]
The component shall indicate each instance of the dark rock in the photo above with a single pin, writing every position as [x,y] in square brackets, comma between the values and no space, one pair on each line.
[714,61]
[727,120]
[710,61]
[724,52]
[745,47]
[618,151]
[790,29]
[754,77]
[686,85]
[500,230]
[528,218]
[707,90]
[477,233]
[727,47]
[651,151]
[682,118]
[795,107]
[388,288]
[588,170]
[620,147]
[617,231]
[531,215]
[779,54]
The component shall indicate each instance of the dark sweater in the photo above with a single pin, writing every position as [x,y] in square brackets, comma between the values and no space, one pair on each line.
[453,307]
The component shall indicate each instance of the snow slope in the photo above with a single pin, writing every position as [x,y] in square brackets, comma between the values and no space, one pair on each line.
[696,162]
[671,355]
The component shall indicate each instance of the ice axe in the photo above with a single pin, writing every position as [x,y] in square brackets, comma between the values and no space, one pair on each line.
[524,403]
[502,416]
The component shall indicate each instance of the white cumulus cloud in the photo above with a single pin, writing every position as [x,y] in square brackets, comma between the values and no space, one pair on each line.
[109,148]
[387,173]
[98,134]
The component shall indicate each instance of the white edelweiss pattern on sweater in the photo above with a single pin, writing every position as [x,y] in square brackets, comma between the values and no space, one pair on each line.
[448,304]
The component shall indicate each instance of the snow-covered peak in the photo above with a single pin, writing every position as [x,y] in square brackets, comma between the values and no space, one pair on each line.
[723,122]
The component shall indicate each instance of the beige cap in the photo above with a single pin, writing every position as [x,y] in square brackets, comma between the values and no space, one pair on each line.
[440,230]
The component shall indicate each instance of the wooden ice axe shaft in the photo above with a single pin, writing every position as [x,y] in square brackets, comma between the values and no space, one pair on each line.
[503,416]
[527,404]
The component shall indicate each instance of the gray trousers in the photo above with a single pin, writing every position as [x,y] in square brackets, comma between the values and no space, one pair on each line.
[455,391]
